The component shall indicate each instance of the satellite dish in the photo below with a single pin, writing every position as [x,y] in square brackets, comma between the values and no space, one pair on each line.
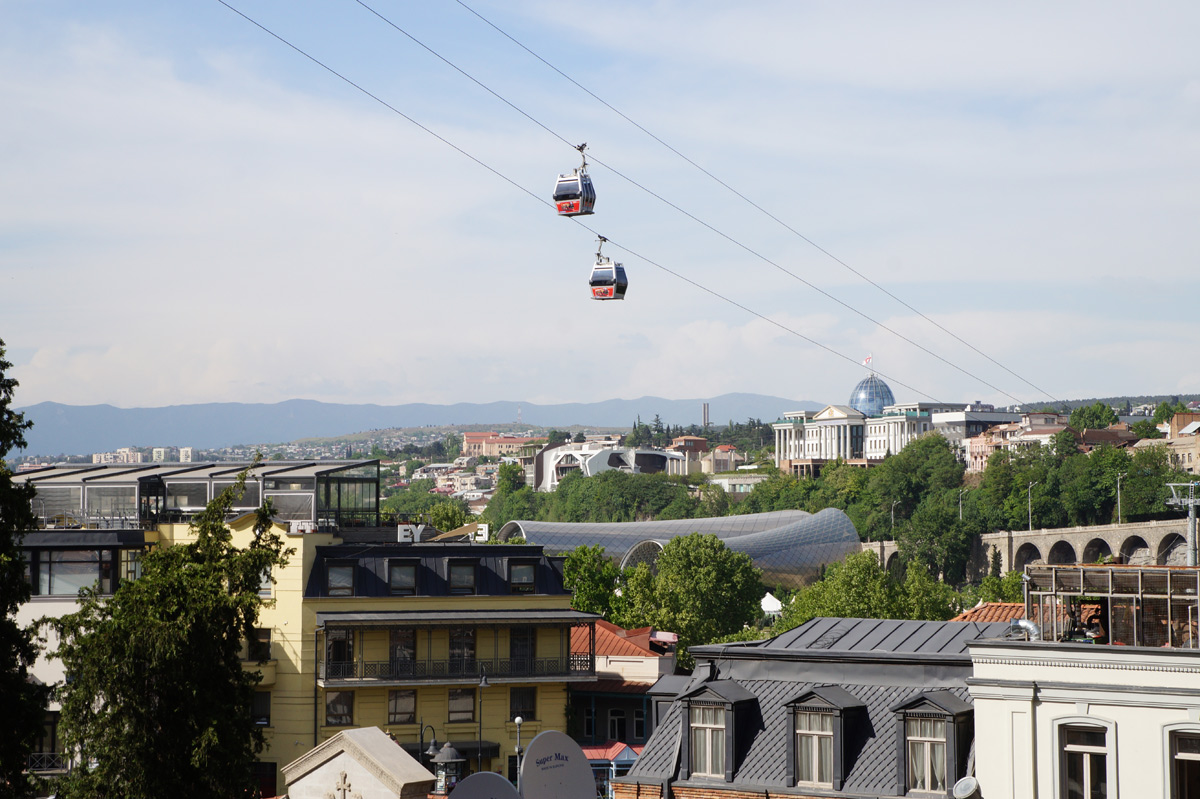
[485,785]
[966,788]
[555,767]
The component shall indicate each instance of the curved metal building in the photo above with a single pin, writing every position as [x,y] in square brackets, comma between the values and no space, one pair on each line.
[789,546]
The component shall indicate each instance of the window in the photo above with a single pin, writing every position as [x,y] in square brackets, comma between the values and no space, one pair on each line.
[265,583]
[402,578]
[1185,765]
[1084,762]
[520,577]
[402,707]
[64,572]
[258,648]
[925,747]
[639,725]
[339,579]
[707,750]
[261,711]
[462,704]
[616,725]
[339,708]
[814,748]
[339,654]
[520,649]
[462,650]
[462,578]
[522,702]
[589,722]
[403,648]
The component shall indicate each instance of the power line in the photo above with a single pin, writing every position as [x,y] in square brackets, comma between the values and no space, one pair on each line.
[683,211]
[550,205]
[758,207]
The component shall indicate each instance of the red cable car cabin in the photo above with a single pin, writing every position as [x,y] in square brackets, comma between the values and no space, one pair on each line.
[574,194]
[608,280]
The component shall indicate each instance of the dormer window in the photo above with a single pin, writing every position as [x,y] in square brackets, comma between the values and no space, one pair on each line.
[820,754]
[935,729]
[707,725]
[520,577]
[402,578]
[814,748]
[462,577]
[339,579]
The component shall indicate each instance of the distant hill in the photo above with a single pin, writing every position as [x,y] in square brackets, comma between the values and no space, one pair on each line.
[79,429]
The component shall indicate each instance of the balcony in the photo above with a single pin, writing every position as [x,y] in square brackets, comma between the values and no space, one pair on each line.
[48,761]
[404,672]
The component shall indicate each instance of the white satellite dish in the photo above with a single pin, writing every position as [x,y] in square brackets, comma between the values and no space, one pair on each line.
[484,785]
[555,767]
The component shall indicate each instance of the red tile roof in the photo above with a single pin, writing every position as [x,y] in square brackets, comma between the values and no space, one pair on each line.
[607,751]
[611,640]
[993,611]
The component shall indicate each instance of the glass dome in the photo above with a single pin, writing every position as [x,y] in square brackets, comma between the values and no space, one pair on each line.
[871,395]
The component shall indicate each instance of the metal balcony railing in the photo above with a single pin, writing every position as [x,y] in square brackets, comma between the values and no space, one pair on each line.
[455,669]
[48,761]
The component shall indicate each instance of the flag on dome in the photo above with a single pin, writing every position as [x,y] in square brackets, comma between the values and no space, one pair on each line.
[867,361]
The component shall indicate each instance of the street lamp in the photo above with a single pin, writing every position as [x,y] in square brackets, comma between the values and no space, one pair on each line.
[1119,476]
[961,491]
[519,721]
[433,747]
[894,504]
[483,683]
[1031,485]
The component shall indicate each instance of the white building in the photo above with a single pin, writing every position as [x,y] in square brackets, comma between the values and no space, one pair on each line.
[593,457]
[1111,710]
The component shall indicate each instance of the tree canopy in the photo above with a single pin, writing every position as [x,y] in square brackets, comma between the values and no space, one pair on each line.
[22,702]
[1096,416]
[158,703]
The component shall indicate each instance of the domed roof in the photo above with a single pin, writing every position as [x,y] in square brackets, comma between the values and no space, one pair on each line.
[871,395]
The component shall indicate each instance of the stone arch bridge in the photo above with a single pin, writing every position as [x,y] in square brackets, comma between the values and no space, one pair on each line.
[1137,543]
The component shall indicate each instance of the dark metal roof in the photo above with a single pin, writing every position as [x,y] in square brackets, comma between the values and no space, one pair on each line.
[431,618]
[729,690]
[868,637]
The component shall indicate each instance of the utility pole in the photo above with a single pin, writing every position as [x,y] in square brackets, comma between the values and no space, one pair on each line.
[1178,497]
[1119,476]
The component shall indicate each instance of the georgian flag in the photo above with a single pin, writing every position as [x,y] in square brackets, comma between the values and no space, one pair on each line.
[867,361]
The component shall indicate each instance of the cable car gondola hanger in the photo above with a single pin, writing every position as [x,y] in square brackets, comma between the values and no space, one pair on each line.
[574,194]
[608,280]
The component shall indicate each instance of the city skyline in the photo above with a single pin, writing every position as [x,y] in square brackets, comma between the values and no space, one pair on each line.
[197,213]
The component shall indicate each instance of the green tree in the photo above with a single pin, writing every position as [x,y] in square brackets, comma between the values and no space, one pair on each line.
[22,702]
[858,587]
[702,590]
[592,578]
[1096,416]
[924,598]
[1010,588]
[448,514]
[1146,428]
[158,703]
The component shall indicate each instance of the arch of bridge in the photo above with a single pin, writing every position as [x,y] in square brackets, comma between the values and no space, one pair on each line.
[1155,534]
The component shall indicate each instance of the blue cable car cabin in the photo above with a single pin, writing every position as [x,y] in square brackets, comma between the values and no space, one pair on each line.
[608,280]
[574,194]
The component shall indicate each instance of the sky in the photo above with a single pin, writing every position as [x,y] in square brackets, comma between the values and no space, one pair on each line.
[196,211]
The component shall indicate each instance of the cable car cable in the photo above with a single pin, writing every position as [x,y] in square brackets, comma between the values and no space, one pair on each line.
[543,201]
[760,208]
[691,216]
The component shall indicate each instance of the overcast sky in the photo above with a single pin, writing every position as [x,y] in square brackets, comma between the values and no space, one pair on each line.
[192,211]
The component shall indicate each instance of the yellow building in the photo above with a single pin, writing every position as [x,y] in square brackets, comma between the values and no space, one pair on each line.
[360,630]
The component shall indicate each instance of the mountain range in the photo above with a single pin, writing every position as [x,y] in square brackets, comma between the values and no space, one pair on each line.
[80,429]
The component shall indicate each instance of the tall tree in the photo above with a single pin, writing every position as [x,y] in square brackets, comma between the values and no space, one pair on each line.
[158,703]
[22,703]
[592,579]
[702,590]
[1096,416]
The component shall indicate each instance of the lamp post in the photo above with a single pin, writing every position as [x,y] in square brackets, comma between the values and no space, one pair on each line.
[961,491]
[483,683]
[1031,485]
[1119,476]
[894,504]
[518,721]
[433,747]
